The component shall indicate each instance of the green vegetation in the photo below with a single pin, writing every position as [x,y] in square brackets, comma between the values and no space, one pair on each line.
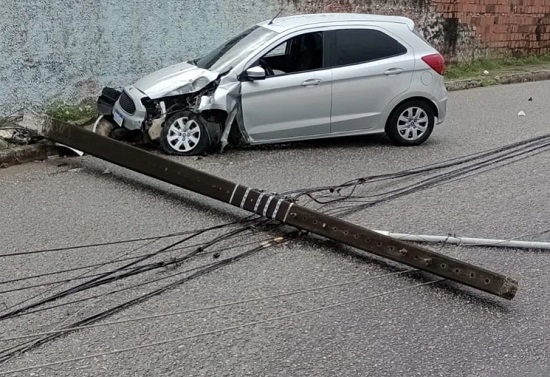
[496,66]
[79,113]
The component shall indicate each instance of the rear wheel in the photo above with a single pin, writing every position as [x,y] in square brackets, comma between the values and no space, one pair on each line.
[411,123]
[185,134]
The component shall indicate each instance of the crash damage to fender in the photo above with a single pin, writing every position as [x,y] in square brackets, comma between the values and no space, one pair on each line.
[226,97]
[180,87]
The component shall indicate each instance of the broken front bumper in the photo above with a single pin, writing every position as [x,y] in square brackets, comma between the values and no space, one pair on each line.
[125,108]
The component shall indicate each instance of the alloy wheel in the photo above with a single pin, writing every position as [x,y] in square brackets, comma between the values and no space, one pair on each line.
[412,123]
[184,134]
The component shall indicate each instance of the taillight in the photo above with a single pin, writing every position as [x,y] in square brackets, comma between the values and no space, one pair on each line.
[436,62]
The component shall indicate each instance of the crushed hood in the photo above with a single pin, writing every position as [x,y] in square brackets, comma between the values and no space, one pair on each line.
[175,79]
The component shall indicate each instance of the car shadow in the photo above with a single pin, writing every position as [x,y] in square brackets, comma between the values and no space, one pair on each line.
[347,143]
[336,142]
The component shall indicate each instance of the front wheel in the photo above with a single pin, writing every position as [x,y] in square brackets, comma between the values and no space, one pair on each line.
[411,123]
[184,134]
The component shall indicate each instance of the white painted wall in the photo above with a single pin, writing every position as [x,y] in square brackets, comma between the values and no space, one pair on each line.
[67,49]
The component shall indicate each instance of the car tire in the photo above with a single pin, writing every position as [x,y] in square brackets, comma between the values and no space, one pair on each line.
[185,134]
[411,123]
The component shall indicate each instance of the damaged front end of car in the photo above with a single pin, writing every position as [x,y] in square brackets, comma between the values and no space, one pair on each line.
[183,109]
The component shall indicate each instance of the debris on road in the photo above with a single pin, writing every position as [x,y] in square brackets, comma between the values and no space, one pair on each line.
[468,241]
[279,208]
[19,127]
[20,141]
[3,144]
[521,113]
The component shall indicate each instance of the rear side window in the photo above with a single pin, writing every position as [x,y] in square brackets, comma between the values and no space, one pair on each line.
[355,46]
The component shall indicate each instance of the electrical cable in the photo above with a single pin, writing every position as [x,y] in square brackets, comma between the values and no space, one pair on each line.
[8,354]
[223,330]
[431,182]
[84,274]
[104,278]
[100,265]
[123,289]
[110,243]
[507,153]
[92,245]
[422,169]
[225,305]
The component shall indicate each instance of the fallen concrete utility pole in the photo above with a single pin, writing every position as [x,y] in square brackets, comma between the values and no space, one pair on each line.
[467,241]
[277,208]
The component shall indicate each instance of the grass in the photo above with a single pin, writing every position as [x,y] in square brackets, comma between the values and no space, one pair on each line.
[72,112]
[476,68]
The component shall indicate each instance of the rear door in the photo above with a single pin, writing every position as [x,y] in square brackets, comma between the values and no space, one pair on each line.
[370,68]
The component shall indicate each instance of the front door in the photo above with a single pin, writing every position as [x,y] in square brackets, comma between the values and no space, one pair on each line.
[294,100]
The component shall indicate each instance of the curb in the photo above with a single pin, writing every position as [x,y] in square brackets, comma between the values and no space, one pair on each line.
[26,153]
[513,78]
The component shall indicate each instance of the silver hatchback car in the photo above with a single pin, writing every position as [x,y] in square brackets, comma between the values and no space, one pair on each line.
[288,79]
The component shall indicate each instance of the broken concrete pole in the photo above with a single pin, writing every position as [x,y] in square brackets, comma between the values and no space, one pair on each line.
[277,208]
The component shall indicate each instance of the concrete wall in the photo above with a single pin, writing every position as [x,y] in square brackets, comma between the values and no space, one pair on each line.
[64,49]
[67,49]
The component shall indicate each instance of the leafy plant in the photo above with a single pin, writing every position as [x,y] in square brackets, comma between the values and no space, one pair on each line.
[71,112]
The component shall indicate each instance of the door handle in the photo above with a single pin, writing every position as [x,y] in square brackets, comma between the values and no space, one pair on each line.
[393,71]
[311,82]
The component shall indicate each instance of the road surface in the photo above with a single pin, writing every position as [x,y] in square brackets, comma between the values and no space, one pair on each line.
[440,329]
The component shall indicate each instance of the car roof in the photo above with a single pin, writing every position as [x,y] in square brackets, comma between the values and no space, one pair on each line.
[283,24]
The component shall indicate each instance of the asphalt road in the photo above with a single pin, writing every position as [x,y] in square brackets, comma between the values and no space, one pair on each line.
[441,329]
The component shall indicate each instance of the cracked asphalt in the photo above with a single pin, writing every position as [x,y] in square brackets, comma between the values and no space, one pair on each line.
[440,329]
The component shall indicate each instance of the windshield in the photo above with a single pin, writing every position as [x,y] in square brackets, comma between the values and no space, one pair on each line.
[233,51]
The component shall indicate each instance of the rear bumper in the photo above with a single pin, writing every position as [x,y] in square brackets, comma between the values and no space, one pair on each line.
[442,110]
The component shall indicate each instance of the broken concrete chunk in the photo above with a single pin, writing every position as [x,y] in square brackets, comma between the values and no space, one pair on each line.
[21,127]
[3,144]
[6,134]
[31,120]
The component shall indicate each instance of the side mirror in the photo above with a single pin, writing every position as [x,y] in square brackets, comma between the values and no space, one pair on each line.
[255,73]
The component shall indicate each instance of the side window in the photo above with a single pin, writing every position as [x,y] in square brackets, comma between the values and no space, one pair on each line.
[278,51]
[298,54]
[356,46]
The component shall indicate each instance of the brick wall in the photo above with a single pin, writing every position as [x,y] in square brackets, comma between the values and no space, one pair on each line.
[462,29]
[504,26]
